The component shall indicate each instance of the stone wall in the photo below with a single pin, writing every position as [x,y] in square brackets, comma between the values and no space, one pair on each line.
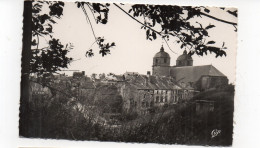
[161,70]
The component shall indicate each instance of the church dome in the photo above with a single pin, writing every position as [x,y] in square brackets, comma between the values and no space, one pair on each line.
[161,63]
[184,56]
[162,54]
[184,60]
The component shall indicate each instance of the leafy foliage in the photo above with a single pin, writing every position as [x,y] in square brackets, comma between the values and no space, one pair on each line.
[59,117]
[175,21]
[104,47]
[100,14]
[53,57]
[99,11]
[180,123]
[50,59]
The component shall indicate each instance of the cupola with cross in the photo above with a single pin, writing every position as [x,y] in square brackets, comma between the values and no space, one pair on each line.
[161,63]
[184,60]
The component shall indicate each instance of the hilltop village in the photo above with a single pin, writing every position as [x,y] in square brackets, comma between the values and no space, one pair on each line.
[132,92]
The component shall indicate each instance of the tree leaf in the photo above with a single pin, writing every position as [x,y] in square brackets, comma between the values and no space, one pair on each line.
[211,42]
[78,4]
[210,26]
[34,43]
[147,34]
[154,35]
[206,10]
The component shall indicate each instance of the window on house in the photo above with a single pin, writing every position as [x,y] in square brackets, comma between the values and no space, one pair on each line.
[157,99]
[161,100]
[166,99]
[131,102]
[157,92]
[144,95]
[156,61]
[143,104]
[151,104]
[147,104]
[191,84]
[165,60]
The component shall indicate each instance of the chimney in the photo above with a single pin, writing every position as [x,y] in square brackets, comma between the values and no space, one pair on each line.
[146,79]
[148,73]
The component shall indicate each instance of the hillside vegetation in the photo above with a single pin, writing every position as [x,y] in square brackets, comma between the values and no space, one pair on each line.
[182,125]
[63,118]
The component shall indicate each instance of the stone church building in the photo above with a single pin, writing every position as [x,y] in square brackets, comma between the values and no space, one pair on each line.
[198,77]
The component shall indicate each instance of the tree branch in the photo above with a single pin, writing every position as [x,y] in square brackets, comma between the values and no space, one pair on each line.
[91,10]
[93,43]
[136,19]
[143,24]
[84,10]
[38,41]
[41,48]
[212,17]
[168,45]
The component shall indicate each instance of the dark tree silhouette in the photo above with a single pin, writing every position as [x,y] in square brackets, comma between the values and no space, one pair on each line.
[53,57]
[26,52]
[174,21]
[39,61]
[46,60]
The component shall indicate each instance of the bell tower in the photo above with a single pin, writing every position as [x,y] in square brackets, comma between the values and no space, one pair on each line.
[184,60]
[161,63]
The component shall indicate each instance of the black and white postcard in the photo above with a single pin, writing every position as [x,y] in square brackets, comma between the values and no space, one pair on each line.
[132,73]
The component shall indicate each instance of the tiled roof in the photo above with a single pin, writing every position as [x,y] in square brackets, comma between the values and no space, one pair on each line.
[152,82]
[193,73]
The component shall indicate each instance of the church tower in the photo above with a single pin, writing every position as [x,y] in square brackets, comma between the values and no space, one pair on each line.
[161,63]
[184,60]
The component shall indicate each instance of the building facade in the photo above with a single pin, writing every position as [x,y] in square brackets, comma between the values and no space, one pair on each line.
[145,93]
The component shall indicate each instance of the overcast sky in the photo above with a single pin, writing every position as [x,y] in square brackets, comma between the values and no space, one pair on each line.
[133,53]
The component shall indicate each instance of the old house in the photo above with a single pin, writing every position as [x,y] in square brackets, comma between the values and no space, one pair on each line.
[143,93]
